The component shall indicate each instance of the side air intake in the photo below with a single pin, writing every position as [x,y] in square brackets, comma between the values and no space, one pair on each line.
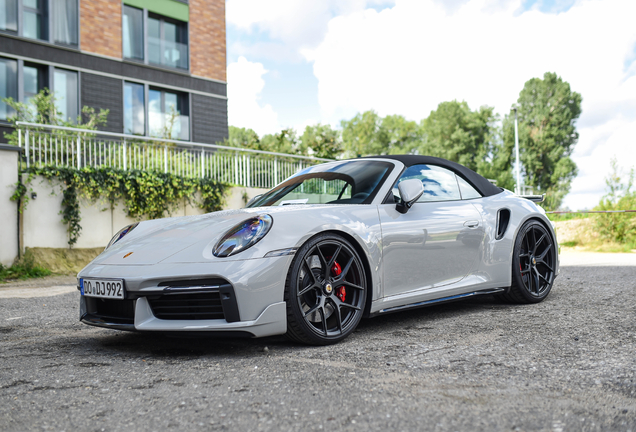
[503,218]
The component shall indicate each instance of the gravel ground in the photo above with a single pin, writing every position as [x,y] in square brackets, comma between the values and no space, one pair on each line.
[567,364]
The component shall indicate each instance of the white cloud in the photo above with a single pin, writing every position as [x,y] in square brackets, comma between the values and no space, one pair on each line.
[407,59]
[245,83]
[616,139]
[295,24]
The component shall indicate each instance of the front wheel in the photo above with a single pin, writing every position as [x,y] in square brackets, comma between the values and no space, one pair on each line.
[533,265]
[325,291]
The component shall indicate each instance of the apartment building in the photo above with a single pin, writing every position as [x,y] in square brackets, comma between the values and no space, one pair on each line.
[154,64]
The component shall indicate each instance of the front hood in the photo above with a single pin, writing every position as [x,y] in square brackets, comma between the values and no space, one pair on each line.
[155,241]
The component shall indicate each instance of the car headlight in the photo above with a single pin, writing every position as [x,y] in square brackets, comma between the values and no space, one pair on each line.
[242,236]
[121,233]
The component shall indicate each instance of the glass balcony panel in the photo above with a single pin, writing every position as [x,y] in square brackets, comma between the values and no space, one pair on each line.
[166,53]
[162,123]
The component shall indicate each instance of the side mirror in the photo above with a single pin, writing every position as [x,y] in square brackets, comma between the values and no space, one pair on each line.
[253,200]
[410,191]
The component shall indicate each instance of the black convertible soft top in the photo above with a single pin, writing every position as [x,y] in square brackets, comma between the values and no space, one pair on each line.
[482,185]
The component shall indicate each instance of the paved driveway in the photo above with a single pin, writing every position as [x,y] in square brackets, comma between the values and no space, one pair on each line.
[567,364]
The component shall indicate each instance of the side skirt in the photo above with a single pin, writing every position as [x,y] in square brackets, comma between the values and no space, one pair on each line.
[436,301]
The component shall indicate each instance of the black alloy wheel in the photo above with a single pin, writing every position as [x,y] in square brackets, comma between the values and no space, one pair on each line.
[325,291]
[533,264]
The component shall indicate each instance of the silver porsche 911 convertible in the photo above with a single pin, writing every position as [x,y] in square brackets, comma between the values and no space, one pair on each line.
[332,244]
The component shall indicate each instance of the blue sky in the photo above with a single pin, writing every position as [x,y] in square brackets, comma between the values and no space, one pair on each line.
[293,63]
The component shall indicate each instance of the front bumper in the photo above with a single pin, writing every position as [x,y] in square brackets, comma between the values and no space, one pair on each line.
[256,290]
[272,321]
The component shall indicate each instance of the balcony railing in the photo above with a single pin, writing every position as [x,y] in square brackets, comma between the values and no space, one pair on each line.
[73,147]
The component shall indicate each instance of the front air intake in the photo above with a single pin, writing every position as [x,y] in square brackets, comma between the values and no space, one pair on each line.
[199,306]
[503,219]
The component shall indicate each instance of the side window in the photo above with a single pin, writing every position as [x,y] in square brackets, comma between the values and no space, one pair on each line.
[467,191]
[439,183]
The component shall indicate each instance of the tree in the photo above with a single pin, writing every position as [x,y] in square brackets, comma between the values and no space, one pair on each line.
[401,135]
[242,137]
[283,142]
[547,110]
[42,109]
[363,135]
[322,140]
[369,134]
[456,133]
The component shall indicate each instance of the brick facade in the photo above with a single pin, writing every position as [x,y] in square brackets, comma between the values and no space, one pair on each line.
[100,27]
[207,39]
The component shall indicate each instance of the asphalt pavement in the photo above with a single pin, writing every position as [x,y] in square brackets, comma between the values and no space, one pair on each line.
[566,364]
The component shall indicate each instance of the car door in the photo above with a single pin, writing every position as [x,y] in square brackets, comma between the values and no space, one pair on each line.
[437,242]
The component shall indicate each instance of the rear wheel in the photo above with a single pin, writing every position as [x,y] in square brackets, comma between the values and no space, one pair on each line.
[325,291]
[533,265]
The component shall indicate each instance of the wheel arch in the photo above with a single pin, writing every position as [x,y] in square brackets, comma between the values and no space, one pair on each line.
[365,262]
[545,224]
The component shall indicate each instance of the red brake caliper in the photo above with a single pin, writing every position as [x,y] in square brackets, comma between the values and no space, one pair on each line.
[341,292]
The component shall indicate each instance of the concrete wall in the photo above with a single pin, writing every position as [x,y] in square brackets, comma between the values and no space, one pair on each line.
[42,226]
[8,209]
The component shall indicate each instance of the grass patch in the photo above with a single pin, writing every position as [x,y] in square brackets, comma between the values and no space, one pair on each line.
[567,216]
[25,268]
[571,243]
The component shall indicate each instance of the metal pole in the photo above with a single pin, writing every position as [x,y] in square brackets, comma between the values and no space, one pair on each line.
[124,149]
[26,145]
[518,168]
[236,168]
[275,172]
[78,152]
[165,159]
[202,163]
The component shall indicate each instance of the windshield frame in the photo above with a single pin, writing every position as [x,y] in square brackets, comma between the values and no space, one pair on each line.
[271,196]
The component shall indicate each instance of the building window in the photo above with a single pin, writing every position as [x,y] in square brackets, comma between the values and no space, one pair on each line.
[134,109]
[34,79]
[66,97]
[8,86]
[133,28]
[34,19]
[167,42]
[168,114]
[65,22]
[9,15]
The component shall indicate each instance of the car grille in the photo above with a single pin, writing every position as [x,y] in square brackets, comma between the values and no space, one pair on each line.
[116,311]
[200,306]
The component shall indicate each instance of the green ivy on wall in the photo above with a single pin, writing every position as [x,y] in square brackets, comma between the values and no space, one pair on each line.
[143,193]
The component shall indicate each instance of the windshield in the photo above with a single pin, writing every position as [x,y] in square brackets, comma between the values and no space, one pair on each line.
[347,182]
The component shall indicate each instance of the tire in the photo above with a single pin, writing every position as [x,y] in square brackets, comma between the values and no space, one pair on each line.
[533,264]
[325,291]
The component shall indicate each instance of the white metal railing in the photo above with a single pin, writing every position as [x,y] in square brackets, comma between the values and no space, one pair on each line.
[66,146]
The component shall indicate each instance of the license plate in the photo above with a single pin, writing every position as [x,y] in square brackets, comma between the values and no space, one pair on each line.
[102,288]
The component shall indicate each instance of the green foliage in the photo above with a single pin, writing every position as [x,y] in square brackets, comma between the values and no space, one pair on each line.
[456,133]
[149,194]
[42,109]
[243,137]
[401,135]
[618,227]
[24,268]
[285,141]
[547,111]
[363,135]
[322,140]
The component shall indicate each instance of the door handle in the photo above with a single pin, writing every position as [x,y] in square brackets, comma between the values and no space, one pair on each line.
[471,224]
